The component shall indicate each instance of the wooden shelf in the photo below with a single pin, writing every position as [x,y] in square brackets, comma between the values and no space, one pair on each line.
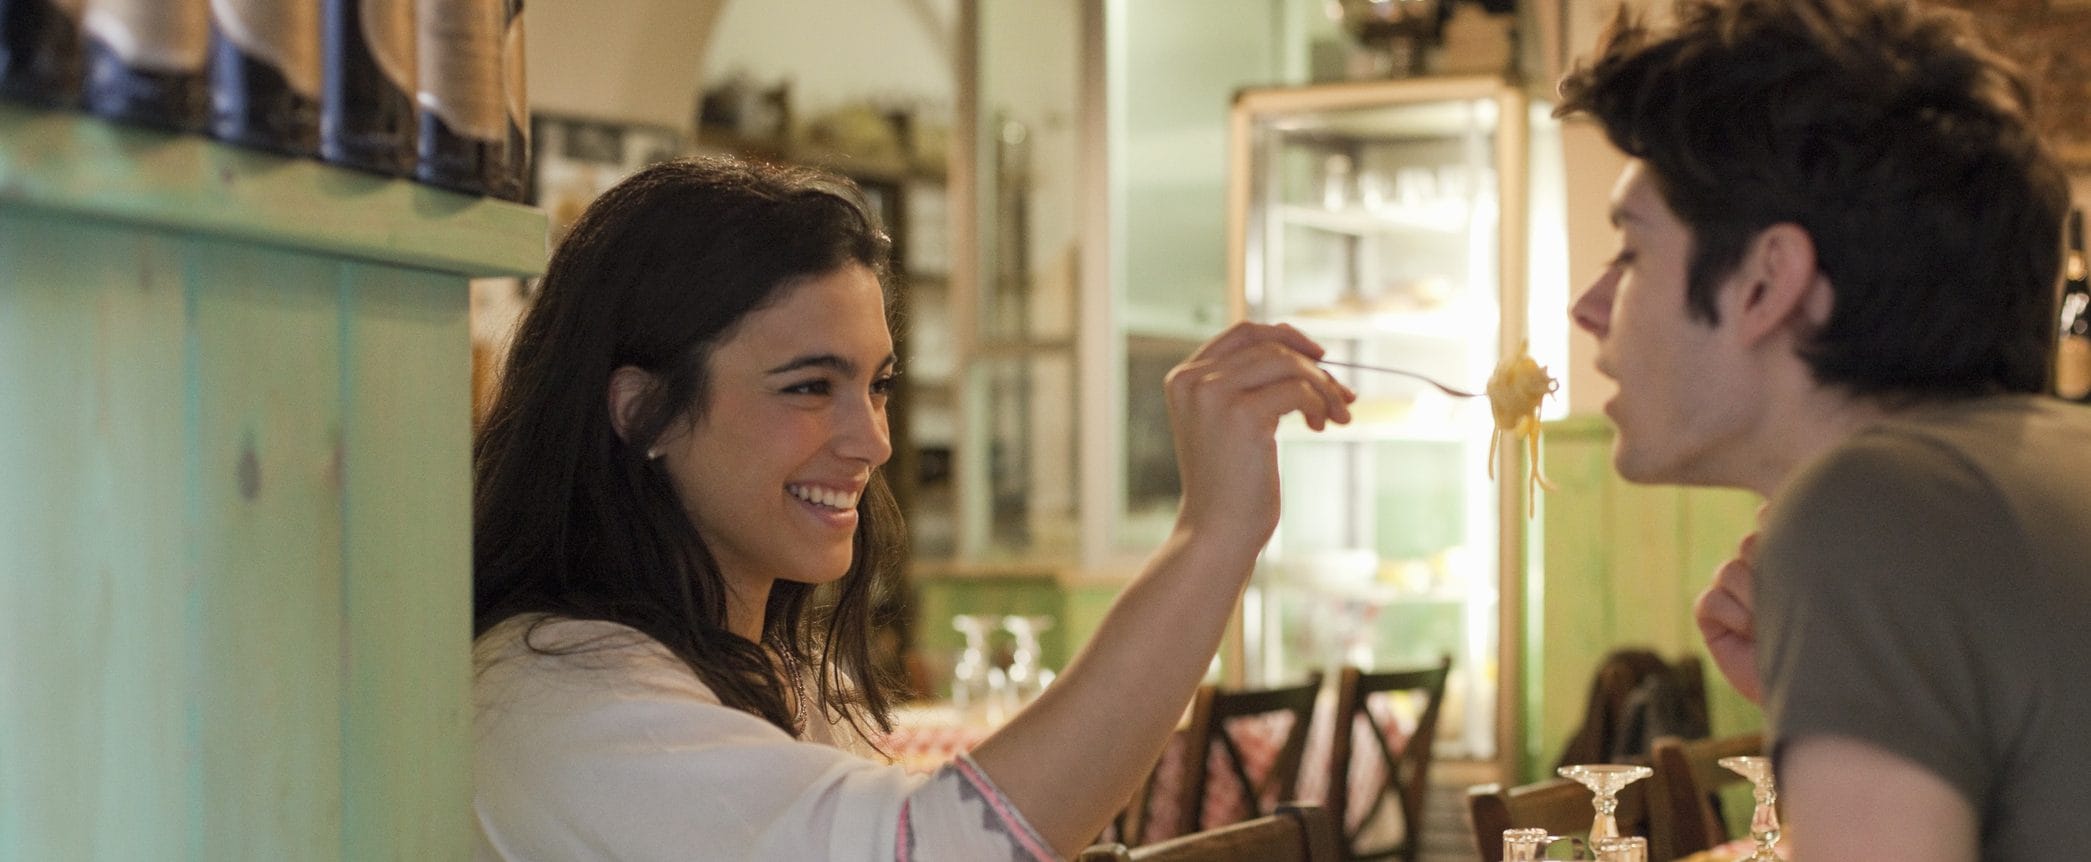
[84,165]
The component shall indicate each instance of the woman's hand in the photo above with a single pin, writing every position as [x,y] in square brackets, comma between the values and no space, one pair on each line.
[1224,405]
[1727,617]
[1121,696]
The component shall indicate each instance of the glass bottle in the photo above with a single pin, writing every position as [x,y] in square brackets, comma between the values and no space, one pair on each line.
[514,181]
[463,140]
[146,61]
[366,106]
[2073,352]
[40,51]
[265,74]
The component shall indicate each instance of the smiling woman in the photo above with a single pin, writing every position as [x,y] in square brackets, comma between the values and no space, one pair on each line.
[680,521]
[772,468]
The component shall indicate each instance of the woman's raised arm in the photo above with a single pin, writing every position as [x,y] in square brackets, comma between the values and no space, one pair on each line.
[1071,758]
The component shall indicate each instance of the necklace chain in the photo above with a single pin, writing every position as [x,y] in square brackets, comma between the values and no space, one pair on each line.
[798,688]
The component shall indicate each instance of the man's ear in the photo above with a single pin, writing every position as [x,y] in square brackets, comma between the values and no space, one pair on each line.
[628,385]
[1779,283]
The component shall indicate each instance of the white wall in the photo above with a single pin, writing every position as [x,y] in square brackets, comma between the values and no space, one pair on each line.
[628,60]
[837,51]
[644,60]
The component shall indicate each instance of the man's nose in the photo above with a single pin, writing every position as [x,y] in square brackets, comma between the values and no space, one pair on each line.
[1593,310]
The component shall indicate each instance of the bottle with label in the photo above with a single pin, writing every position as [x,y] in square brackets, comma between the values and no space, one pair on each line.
[2073,353]
[515,95]
[463,144]
[146,61]
[40,51]
[265,74]
[366,105]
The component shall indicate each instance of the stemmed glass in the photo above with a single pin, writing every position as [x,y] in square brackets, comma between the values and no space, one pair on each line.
[1629,849]
[1028,675]
[972,683]
[1605,780]
[1525,845]
[1764,819]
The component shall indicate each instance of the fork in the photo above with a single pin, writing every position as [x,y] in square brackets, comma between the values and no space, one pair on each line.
[1456,393]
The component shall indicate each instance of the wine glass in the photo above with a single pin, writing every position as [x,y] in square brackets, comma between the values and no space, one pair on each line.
[1027,673]
[1764,819]
[1631,849]
[971,687]
[1605,781]
[1525,845]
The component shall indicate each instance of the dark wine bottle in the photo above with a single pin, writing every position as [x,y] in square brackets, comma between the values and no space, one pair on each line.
[463,144]
[146,60]
[265,74]
[2073,353]
[515,94]
[366,104]
[40,51]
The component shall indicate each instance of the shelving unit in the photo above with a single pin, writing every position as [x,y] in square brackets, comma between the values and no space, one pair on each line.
[1385,220]
[235,544]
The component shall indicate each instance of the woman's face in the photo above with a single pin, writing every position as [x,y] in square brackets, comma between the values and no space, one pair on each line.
[772,471]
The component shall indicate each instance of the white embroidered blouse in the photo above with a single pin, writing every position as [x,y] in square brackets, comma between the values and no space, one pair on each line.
[617,752]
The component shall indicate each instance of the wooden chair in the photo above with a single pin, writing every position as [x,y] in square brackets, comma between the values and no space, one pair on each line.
[1636,696]
[1130,823]
[1296,833]
[1687,778]
[1404,775]
[1208,732]
[1560,806]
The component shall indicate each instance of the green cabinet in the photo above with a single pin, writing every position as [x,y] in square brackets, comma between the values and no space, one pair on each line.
[235,535]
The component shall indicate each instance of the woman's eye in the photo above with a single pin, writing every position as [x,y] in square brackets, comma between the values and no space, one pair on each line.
[810,387]
[884,385]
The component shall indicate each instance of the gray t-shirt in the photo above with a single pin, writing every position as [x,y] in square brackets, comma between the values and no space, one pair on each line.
[1926,587]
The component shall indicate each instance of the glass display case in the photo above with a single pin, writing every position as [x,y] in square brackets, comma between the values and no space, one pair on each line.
[1386,220]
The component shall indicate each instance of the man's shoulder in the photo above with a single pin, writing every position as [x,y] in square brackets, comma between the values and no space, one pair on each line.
[1981,425]
[1968,445]
[1912,492]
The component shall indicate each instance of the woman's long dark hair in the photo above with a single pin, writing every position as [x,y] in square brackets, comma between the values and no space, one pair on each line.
[572,521]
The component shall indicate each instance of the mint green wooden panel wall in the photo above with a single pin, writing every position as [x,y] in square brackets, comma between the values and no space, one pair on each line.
[264,513]
[234,550]
[406,652]
[94,569]
[1618,565]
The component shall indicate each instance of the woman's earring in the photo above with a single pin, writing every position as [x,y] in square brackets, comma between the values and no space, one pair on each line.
[653,454]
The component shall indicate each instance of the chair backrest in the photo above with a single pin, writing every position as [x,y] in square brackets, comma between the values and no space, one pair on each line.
[1295,833]
[1559,805]
[1210,735]
[1397,769]
[1636,696]
[1687,777]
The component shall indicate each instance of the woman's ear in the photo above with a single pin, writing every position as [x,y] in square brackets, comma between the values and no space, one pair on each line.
[628,386]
